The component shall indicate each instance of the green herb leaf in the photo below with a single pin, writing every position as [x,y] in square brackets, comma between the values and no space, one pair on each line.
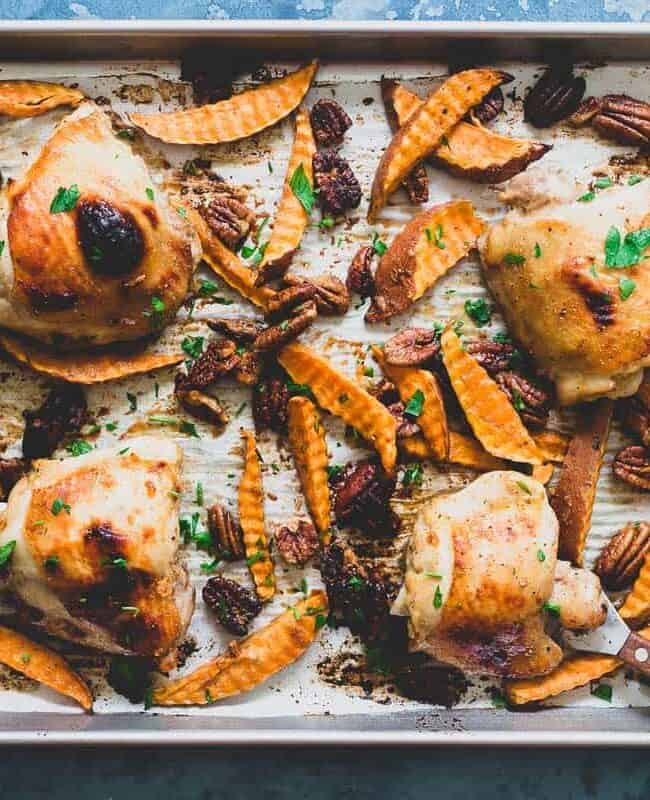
[333,471]
[303,586]
[149,192]
[587,197]
[111,426]
[356,583]
[189,428]
[199,494]
[437,598]
[78,447]
[193,346]
[537,251]
[479,311]
[2,246]
[210,566]
[377,245]
[621,253]
[302,389]
[302,189]
[6,551]
[413,474]
[320,620]
[415,404]
[524,487]
[626,287]
[541,555]
[51,563]
[634,179]
[603,691]
[65,199]
[514,258]
[552,608]
[603,183]
[255,557]
[207,288]
[369,372]
[326,222]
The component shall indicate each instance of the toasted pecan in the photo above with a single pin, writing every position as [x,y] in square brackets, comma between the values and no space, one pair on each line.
[621,559]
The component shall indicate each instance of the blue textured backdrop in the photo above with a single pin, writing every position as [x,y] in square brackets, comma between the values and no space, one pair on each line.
[533,10]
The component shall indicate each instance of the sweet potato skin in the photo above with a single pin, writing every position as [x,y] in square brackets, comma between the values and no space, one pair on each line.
[463,450]
[22,99]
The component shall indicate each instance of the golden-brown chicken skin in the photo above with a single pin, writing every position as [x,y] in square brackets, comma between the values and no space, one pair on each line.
[97,548]
[480,567]
[586,324]
[93,251]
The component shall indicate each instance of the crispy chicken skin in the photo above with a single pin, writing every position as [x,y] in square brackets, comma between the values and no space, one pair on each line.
[96,558]
[87,275]
[480,566]
[545,265]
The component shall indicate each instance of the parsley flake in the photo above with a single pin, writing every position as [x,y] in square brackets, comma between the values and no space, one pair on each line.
[377,245]
[65,199]
[552,608]
[415,404]
[302,188]
[78,447]
[514,258]
[149,192]
[603,691]
[437,598]
[479,311]
[626,287]
[193,346]
[6,551]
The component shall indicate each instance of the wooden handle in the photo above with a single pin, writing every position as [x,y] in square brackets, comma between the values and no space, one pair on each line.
[636,653]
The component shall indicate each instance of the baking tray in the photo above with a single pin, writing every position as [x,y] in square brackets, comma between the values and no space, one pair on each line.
[348,43]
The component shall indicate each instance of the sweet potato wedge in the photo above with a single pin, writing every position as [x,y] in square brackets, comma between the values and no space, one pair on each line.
[432,418]
[344,398]
[552,445]
[470,151]
[226,264]
[636,608]
[543,473]
[309,449]
[422,252]
[427,127]
[251,520]
[251,661]
[574,671]
[85,368]
[416,182]
[43,665]
[463,450]
[291,219]
[241,116]
[490,414]
[573,496]
[32,98]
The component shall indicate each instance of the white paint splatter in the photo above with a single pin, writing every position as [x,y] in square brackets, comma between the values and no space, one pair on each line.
[426,9]
[638,10]
[79,10]
[216,12]
[361,9]
[309,6]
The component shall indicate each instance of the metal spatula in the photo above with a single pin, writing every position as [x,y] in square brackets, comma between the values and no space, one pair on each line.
[614,638]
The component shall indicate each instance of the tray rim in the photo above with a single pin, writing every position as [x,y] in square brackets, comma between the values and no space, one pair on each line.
[184,730]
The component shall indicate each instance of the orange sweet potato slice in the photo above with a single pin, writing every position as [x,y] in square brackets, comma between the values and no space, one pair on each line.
[241,116]
[251,520]
[43,665]
[421,387]
[31,98]
[574,671]
[85,368]
[543,473]
[422,252]
[291,219]
[574,495]
[309,448]
[426,128]
[493,420]
[471,151]
[344,398]
[636,608]
[463,450]
[226,264]
[552,445]
[251,661]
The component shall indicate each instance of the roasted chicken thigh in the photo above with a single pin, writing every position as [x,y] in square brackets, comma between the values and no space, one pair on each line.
[481,568]
[91,252]
[571,278]
[96,557]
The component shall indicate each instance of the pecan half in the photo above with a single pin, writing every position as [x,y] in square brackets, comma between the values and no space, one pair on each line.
[234,605]
[226,534]
[359,277]
[489,108]
[361,497]
[621,559]
[249,369]
[412,346]
[240,330]
[338,189]
[357,595]
[298,291]
[530,400]
[11,471]
[218,359]
[632,465]
[636,418]
[493,356]
[202,406]
[297,544]
[270,401]
[329,121]
[229,219]
[331,295]
[555,96]
[276,336]
[63,412]
[616,116]
[386,392]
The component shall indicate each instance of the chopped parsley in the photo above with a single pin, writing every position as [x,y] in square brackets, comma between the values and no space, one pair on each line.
[210,566]
[437,598]
[149,192]
[479,311]
[6,551]
[193,346]
[377,245]
[60,505]
[255,557]
[199,494]
[207,287]
[626,287]
[603,691]
[413,474]
[603,183]
[435,236]
[111,426]
[302,389]
[433,575]
[541,555]
[183,426]
[51,563]
[118,562]
[25,658]
[369,372]
[157,312]
[333,471]
[552,608]
[65,199]
[518,401]
[587,197]
[514,258]
[537,250]
[634,179]
[321,619]
[303,586]
[524,487]
[242,406]
[326,222]
[415,404]
[625,252]
[2,246]
[356,583]
[302,189]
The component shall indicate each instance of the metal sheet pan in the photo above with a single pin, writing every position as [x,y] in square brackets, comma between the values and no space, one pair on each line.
[349,43]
